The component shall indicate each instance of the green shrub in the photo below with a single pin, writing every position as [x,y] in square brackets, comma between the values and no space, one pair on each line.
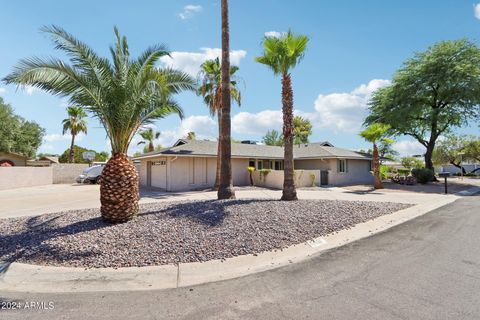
[403,172]
[384,171]
[423,175]
[264,173]
[312,179]
[251,169]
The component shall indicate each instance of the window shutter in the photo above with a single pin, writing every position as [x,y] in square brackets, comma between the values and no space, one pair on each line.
[346,165]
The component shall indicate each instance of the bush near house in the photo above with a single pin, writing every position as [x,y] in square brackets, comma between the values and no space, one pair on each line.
[423,175]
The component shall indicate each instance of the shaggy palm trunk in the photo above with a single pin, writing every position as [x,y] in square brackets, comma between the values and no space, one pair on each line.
[377,179]
[71,156]
[151,147]
[119,189]
[219,151]
[289,191]
[225,189]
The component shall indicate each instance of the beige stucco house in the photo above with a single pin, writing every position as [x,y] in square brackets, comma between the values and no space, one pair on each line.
[191,165]
[12,159]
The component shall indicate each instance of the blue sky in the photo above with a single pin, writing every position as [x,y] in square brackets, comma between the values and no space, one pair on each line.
[355,47]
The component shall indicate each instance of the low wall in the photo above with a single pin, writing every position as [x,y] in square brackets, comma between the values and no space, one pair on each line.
[19,177]
[274,178]
[67,172]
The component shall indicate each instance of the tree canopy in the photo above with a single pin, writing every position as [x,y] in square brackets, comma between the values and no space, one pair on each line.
[273,138]
[17,134]
[456,149]
[433,92]
[302,129]
[78,157]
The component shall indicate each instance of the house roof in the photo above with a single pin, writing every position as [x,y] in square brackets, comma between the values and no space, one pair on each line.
[18,155]
[240,150]
[52,159]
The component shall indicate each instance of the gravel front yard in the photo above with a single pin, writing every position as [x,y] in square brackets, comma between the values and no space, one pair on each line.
[176,232]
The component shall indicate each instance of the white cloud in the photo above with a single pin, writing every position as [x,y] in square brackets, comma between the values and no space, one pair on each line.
[30,90]
[203,126]
[3,90]
[189,11]
[54,137]
[273,34]
[257,123]
[408,148]
[345,111]
[190,62]
[476,10]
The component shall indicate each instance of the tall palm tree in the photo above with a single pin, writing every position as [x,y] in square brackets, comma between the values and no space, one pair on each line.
[148,136]
[375,133]
[225,188]
[282,54]
[75,123]
[123,93]
[211,91]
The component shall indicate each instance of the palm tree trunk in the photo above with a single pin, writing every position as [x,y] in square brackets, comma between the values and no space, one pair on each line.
[377,180]
[71,157]
[119,189]
[225,189]
[289,191]
[219,150]
[151,148]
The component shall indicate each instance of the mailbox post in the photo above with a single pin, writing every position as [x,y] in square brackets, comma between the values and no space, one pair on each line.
[445,175]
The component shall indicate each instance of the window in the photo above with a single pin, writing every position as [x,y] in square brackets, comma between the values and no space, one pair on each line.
[342,165]
[251,163]
[278,165]
[370,166]
[260,165]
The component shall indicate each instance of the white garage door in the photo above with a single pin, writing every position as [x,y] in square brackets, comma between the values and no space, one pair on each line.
[159,174]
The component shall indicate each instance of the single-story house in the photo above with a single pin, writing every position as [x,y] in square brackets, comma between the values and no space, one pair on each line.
[191,164]
[11,159]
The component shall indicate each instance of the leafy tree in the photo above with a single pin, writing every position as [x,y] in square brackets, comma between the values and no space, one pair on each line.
[433,92]
[191,135]
[273,138]
[78,155]
[75,123]
[211,91]
[375,133]
[148,136]
[281,54]
[18,135]
[302,129]
[385,149]
[124,93]
[412,163]
[456,149]
[137,154]
[472,148]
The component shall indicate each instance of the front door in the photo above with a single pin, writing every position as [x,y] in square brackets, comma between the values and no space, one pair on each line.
[323,177]
[158,174]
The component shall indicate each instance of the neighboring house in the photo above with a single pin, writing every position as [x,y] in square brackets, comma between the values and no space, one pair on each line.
[11,159]
[45,161]
[191,164]
[469,167]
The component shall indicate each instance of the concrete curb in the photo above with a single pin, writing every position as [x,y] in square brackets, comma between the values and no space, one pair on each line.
[18,277]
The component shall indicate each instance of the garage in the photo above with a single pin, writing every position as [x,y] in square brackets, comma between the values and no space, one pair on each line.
[158,173]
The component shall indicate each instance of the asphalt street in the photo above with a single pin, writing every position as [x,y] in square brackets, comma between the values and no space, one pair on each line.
[427,268]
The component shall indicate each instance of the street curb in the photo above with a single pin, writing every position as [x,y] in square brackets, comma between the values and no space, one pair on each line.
[19,277]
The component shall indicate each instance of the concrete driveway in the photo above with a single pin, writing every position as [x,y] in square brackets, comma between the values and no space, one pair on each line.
[61,197]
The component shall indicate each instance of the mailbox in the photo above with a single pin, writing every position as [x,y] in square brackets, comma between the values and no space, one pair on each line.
[445,175]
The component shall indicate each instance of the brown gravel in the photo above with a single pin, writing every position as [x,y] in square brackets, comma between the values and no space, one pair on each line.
[176,232]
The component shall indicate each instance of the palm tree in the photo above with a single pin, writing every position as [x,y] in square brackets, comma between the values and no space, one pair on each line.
[75,123]
[191,135]
[374,133]
[123,93]
[282,54]
[149,136]
[225,188]
[211,91]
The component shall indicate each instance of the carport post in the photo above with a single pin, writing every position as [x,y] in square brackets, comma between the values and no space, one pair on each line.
[444,175]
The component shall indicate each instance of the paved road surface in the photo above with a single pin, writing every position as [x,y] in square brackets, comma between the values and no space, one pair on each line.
[428,268]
